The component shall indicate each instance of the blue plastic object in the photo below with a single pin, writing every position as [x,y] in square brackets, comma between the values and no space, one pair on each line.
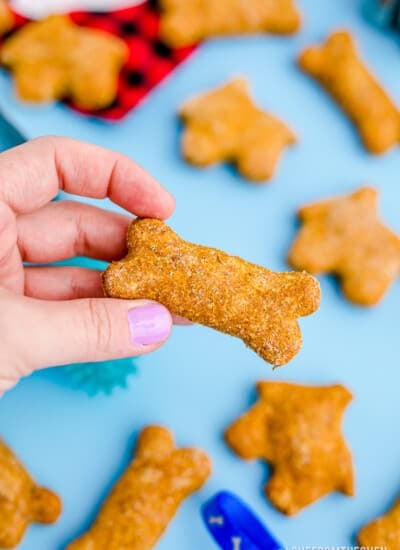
[234,526]
[97,378]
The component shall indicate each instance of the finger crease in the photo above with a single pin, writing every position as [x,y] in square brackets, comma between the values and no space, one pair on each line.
[81,244]
[113,177]
[59,172]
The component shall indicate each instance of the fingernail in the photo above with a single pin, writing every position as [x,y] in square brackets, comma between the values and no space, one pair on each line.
[149,324]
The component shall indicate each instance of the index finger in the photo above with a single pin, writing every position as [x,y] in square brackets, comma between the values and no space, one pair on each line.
[32,174]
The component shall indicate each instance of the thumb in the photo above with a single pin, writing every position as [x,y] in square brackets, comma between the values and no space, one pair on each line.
[58,333]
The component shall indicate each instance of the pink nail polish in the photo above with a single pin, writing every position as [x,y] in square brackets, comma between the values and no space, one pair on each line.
[149,324]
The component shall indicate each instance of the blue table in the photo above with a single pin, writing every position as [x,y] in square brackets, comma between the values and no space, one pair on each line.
[201,380]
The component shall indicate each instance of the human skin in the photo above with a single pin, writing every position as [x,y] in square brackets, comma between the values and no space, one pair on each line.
[58,315]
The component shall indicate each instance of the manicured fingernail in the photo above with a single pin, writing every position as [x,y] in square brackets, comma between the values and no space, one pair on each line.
[149,324]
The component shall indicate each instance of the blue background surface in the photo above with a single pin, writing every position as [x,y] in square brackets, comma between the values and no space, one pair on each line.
[201,380]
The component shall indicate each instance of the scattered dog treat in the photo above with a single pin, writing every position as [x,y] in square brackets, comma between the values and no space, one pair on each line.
[146,498]
[384,532]
[226,126]
[345,237]
[210,287]
[338,67]
[6,17]
[21,501]
[56,59]
[186,22]
[297,430]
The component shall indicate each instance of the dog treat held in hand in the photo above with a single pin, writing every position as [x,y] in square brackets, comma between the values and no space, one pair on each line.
[207,286]
[146,498]
[225,125]
[384,532]
[6,17]
[297,430]
[185,22]
[345,237]
[338,67]
[56,59]
[22,502]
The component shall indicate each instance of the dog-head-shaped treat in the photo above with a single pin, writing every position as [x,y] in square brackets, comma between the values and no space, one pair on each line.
[207,286]
[297,430]
[338,67]
[345,237]
[225,125]
[146,498]
[22,502]
[56,59]
[384,532]
[186,22]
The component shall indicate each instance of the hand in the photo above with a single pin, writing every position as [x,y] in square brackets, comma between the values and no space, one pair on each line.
[58,315]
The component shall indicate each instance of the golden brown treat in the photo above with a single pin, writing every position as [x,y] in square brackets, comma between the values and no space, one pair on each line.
[207,286]
[6,17]
[147,496]
[345,237]
[338,67]
[384,532]
[56,59]
[185,22]
[226,126]
[21,501]
[297,430]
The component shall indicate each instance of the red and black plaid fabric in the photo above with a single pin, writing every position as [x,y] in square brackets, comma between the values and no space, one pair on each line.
[150,61]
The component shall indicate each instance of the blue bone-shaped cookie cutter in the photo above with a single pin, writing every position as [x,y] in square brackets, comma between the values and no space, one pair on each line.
[234,526]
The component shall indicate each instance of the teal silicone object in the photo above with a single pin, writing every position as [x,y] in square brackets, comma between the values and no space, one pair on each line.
[104,377]
[385,14]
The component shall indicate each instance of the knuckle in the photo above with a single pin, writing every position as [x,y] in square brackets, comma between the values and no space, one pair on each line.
[98,326]
[45,140]
[81,243]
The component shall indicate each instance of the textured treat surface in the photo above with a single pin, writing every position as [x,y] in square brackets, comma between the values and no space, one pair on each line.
[185,22]
[384,532]
[207,286]
[6,17]
[22,502]
[56,59]
[338,67]
[225,125]
[345,236]
[146,498]
[297,430]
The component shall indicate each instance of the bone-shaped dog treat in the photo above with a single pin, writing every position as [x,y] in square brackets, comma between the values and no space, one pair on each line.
[21,501]
[384,532]
[185,22]
[210,287]
[345,237]
[297,430]
[146,498]
[56,59]
[6,17]
[338,67]
[226,126]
